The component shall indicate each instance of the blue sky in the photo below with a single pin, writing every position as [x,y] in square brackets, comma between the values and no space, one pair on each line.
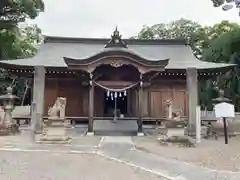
[98,18]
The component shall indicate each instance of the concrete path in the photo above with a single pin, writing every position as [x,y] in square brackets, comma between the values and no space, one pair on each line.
[122,149]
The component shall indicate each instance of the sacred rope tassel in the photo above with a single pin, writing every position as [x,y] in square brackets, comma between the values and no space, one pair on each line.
[108,93]
[125,93]
[115,95]
[120,94]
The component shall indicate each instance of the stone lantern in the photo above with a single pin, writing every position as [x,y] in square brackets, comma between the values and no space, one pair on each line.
[221,98]
[8,126]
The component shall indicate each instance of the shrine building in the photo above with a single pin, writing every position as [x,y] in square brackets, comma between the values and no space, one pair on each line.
[115,78]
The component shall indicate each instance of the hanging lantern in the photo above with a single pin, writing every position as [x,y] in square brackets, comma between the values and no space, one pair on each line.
[115,95]
[108,93]
[125,93]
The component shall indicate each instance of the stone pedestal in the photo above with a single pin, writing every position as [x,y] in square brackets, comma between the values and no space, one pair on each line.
[192,133]
[175,132]
[140,134]
[54,132]
[9,129]
[174,128]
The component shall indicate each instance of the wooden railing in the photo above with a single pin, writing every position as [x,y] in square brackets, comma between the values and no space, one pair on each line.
[210,116]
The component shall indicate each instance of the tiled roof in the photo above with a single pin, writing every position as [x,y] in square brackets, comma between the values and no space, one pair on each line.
[51,53]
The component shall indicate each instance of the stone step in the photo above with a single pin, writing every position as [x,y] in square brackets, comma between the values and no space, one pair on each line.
[115,133]
[120,128]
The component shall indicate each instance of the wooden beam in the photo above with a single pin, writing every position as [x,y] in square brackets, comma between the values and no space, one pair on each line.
[140,109]
[155,75]
[115,83]
[91,109]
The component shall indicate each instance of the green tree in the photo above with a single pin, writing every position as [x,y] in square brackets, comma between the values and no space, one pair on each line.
[215,43]
[191,31]
[17,41]
[12,12]
[226,48]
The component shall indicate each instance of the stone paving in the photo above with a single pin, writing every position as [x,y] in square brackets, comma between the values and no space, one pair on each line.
[210,153]
[113,149]
[57,166]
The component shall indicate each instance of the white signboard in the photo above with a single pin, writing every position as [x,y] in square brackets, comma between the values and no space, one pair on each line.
[224,110]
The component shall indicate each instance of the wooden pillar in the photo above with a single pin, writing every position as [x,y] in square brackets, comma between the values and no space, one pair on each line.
[140,107]
[192,87]
[38,98]
[91,107]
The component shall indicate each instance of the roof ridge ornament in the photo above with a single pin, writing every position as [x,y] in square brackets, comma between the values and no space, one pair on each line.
[116,40]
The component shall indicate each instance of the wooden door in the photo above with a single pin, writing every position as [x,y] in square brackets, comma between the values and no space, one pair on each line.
[157,105]
[157,98]
[50,95]
[145,104]
[179,101]
[99,102]
[74,95]
[133,97]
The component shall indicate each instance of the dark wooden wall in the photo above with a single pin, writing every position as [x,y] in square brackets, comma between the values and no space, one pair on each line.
[159,92]
[153,98]
[76,94]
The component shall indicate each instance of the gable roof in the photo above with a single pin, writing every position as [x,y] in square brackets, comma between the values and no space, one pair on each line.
[52,52]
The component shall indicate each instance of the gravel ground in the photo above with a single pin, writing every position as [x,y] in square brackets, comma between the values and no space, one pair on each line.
[50,166]
[210,153]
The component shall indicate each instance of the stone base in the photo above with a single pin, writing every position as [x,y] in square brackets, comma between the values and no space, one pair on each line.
[182,141]
[174,124]
[192,132]
[6,130]
[68,124]
[175,132]
[90,134]
[47,139]
[54,132]
[140,134]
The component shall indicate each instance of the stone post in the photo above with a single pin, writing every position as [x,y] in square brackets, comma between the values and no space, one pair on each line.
[192,89]
[33,120]
[38,97]
[198,124]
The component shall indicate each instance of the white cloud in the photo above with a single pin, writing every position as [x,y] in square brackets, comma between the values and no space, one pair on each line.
[92,18]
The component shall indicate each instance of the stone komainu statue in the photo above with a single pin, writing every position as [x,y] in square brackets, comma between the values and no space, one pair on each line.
[58,109]
[172,112]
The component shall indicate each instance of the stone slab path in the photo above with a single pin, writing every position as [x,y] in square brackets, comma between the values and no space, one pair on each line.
[122,149]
